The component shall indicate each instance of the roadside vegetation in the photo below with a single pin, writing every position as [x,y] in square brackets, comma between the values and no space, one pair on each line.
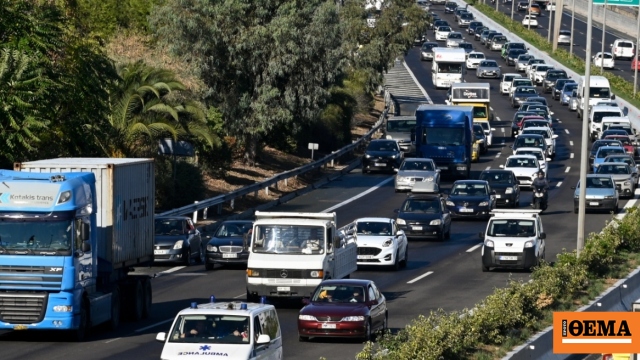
[114,78]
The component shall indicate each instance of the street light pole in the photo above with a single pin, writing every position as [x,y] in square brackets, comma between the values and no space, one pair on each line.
[635,58]
[550,21]
[604,24]
[584,159]
[529,13]
[558,23]
[513,4]
[573,17]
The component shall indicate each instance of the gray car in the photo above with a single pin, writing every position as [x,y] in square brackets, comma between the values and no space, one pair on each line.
[521,61]
[426,51]
[623,175]
[565,37]
[230,244]
[177,240]
[521,94]
[415,170]
[573,100]
[601,193]
[453,39]
[488,69]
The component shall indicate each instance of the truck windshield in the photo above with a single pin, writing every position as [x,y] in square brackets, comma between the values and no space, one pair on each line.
[289,239]
[211,329]
[449,68]
[443,136]
[511,228]
[479,112]
[19,237]
[599,92]
[401,125]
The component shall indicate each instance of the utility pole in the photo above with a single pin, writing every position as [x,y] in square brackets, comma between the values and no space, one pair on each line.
[573,17]
[604,22]
[558,23]
[635,58]
[513,4]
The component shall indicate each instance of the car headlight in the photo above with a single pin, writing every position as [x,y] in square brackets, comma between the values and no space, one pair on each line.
[508,191]
[428,178]
[253,273]
[63,308]
[353,318]
[627,182]
[450,203]
[401,178]
[488,243]
[461,168]
[178,244]
[316,273]
[528,244]
[484,203]
[307,317]
[367,156]
[387,243]
[435,222]
[401,222]
[609,197]
[212,248]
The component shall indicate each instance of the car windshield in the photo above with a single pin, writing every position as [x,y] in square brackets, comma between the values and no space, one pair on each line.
[599,92]
[622,159]
[540,68]
[455,36]
[444,29]
[414,165]
[466,16]
[525,90]
[599,183]
[401,125]
[625,44]
[382,146]
[511,228]
[42,237]
[450,68]
[465,46]
[603,153]
[374,228]
[233,229]
[288,239]
[489,64]
[623,130]
[170,227]
[606,56]
[476,56]
[556,75]
[542,132]
[530,123]
[431,206]
[427,47]
[569,87]
[598,115]
[339,294]
[521,82]
[211,329]
[541,112]
[479,112]
[536,61]
[509,78]
[613,169]
[517,46]
[502,177]
[537,154]
[565,32]
[624,141]
[521,162]
[524,58]
[469,189]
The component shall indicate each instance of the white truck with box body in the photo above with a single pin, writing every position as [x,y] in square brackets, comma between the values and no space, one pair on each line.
[448,66]
[291,253]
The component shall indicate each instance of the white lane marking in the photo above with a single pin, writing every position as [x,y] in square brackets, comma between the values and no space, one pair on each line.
[502,143]
[498,155]
[370,190]
[571,156]
[474,247]
[112,340]
[488,168]
[420,277]
[153,325]
[558,184]
[571,142]
[567,131]
[568,168]
[497,117]
[172,270]
[502,129]
[629,204]
[190,274]
[490,108]
[239,296]
[424,92]
[559,121]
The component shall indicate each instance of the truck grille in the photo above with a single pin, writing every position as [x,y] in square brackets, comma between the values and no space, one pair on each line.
[15,277]
[230,249]
[368,251]
[22,308]
[290,274]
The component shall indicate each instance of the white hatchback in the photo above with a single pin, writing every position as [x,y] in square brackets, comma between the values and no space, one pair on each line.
[547,134]
[524,167]
[380,242]
[623,49]
[474,59]
[604,60]
[505,84]
[538,153]
[442,33]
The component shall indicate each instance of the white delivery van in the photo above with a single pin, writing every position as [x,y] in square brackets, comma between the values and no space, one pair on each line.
[619,123]
[596,115]
[447,67]
[599,89]
[291,253]
[622,48]
[402,129]
[229,330]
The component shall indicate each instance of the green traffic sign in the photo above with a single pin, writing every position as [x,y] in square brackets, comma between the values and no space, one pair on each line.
[617,2]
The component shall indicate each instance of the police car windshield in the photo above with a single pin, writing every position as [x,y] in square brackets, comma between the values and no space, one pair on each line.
[210,329]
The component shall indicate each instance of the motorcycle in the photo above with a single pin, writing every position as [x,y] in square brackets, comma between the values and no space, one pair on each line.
[539,198]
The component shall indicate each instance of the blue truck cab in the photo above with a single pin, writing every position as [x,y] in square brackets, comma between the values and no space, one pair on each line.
[444,134]
[55,272]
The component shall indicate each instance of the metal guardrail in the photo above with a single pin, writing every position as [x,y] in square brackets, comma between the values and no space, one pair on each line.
[264,185]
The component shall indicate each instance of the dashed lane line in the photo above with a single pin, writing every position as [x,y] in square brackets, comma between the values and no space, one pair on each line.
[567,131]
[153,325]
[488,168]
[567,169]
[571,142]
[558,184]
[571,156]
[498,155]
[420,277]
[474,248]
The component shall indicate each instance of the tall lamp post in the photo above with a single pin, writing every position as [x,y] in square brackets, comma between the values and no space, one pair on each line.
[513,4]
[557,23]
[550,4]
[573,17]
[585,133]
[604,22]
[635,58]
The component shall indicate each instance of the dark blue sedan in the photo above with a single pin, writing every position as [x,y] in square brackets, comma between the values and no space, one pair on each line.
[471,199]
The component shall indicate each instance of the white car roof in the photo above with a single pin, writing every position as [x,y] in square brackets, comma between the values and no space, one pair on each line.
[515,214]
[522,156]
[528,149]
[373,219]
[545,128]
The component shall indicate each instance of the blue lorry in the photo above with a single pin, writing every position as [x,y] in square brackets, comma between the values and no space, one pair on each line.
[444,134]
[71,232]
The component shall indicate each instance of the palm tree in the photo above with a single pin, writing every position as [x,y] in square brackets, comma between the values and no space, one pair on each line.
[143,114]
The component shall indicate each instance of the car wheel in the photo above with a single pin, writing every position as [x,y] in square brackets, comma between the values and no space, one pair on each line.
[365,171]
[396,263]
[251,297]
[441,236]
[615,209]
[403,263]
[485,268]
[186,256]
[367,331]
[201,254]
[209,266]
[575,210]
[448,234]
[303,338]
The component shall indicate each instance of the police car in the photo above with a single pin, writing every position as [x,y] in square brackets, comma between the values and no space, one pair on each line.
[226,330]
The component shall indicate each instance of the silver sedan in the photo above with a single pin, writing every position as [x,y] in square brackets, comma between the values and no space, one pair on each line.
[415,170]
[488,68]
[565,37]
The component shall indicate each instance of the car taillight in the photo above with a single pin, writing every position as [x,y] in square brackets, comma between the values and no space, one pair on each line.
[607,357]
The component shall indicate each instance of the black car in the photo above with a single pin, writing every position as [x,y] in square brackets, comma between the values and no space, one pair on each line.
[382,155]
[515,123]
[550,79]
[177,240]
[229,244]
[450,7]
[438,23]
[598,144]
[530,140]
[557,88]
[522,94]
[472,27]
[512,56]
[471,199]
[478,131]
[505,184]
[424,216]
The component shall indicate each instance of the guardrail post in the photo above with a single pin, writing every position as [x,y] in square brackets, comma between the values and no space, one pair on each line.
[233,203]
[286,183]
[204,213]
[266,191]
[220,208]
[195,214]
[332,163]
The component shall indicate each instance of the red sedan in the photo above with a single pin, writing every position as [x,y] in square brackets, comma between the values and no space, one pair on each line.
[343,308]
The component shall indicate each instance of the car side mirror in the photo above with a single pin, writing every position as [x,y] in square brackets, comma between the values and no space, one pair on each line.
[191,232]
[85,230]
[493,129]
[554,136]
[501,166]
[263,339]
[438,170]
[481,235]
[162,337]
[493,192]
[306,300]
[543,236]
[547,159]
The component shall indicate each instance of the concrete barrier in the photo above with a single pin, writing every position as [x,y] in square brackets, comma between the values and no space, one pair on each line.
[616,20]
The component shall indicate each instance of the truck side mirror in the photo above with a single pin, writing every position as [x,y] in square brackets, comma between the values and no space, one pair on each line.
[86,246]
[543,236]
[613,96]
[481,235]
[85,230]
[162,337]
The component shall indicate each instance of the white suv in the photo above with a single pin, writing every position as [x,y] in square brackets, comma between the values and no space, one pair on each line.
[547,134]
[505,84]
[623,49]
[513,239]
[380,242]
[524,167]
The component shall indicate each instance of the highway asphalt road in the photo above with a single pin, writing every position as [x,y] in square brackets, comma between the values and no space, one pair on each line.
[622,66]
[453,280]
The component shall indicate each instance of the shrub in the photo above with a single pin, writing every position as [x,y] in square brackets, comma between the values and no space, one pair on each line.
[187,187]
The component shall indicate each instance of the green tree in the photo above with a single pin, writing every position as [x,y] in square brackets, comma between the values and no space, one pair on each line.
[266,63]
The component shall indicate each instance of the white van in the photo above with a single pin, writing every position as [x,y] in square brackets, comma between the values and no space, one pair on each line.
[595,118]
[619,122]
[600,89]
[229,330]
[623,49]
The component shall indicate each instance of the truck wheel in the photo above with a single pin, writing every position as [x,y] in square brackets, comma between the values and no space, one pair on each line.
[251,297]
[114,322]
[208,266]
[137,297]
[485,268]
[83,327]
[148,298]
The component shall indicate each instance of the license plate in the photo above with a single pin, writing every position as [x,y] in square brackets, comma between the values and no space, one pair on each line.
[20,327]
[160,252]
[380,164]
[594,203]
[498,196]
[443,167]
[283,288]
[229,256]
[365,256]
[508,258]
[416,228]
[466,210]
[328,326]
